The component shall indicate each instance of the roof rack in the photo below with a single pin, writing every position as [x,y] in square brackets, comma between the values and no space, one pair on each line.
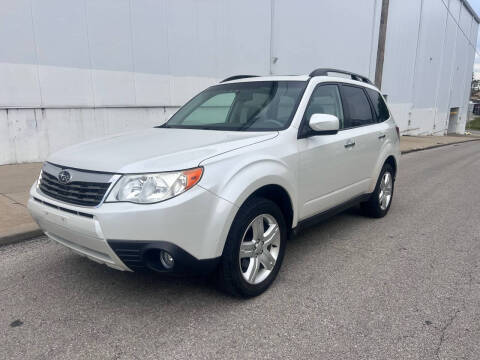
[236,77]
[324,72]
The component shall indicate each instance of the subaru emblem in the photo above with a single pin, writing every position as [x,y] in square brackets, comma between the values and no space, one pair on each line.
[64,176]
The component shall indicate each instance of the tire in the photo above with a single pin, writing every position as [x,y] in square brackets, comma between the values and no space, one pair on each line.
[379,203]
[251,273]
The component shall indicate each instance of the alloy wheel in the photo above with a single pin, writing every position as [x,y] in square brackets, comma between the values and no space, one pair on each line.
[386,187]
[259,249]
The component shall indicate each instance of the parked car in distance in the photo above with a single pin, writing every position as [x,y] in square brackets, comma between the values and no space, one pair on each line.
[222,184]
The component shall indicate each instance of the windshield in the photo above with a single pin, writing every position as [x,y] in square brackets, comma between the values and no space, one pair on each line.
[248,106]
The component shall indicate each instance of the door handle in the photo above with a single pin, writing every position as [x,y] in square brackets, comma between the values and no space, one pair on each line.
[382,136]
[349,144]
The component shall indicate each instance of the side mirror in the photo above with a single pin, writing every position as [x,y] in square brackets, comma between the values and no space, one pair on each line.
[324,124]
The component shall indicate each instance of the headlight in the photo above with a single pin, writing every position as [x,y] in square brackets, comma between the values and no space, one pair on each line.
[39,179]
[152,188]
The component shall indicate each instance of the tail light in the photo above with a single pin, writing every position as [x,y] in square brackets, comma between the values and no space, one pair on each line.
[398,131]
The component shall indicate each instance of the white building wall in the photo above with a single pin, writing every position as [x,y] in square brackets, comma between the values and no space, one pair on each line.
[338,34]
[400,57]
[444,86]
[428,65]
[96,53]
[424,84]
[32,134]
[71,70]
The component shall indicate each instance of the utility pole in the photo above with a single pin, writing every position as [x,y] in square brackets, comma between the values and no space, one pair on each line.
[382,35]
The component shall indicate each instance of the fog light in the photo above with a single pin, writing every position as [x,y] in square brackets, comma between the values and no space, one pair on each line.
[166,259]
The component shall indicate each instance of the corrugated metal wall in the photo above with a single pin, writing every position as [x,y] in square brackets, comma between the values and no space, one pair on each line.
[429,56]
[338,34]
[65,53]
[71,70]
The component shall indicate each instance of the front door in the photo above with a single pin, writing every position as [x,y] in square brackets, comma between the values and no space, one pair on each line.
[336,168]
[325,161]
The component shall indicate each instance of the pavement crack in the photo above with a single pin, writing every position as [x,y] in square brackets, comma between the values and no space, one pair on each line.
[443,330]
[452,318]
[14,202]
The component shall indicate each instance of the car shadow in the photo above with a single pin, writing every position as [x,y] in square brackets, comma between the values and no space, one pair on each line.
[123,289]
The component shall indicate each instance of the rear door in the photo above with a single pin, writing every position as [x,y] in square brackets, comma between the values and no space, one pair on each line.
[363,132]
[383,128]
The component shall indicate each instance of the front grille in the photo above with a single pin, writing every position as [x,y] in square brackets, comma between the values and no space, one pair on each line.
[79,213]
[75,192]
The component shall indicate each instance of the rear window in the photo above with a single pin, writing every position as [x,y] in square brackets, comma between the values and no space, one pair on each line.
[381,109]
[357,105]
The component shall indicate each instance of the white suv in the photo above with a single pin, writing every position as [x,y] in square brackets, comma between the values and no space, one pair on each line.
[223,183]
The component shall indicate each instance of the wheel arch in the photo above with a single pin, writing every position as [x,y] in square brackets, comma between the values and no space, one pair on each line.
[387,158]
[393,163]
[280,196]
[249,176]
[269,190]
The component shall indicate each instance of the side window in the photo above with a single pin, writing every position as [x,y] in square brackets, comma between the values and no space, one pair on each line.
[381,109]
[213,111]
[325,99]
[357,107]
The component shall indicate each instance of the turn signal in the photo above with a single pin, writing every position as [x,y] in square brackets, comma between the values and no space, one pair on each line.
[193,176]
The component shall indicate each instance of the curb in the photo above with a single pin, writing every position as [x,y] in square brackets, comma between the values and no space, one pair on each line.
[437,146]
[19,236]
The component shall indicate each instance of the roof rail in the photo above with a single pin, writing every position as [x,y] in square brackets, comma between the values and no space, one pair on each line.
[236,77]
[324,72]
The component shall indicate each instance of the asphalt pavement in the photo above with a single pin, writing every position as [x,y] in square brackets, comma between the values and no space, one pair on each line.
[403,287]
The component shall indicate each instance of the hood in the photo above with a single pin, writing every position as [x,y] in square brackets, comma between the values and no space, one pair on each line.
[156,149]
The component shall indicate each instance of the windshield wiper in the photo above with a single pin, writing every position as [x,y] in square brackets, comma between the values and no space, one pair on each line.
[206,127]
[193,127]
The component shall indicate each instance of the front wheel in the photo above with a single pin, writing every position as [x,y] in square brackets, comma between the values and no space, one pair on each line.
[254,249]
[381,199]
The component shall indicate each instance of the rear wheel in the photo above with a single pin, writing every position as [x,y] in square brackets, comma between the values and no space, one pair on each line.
[254,249]
[381,199]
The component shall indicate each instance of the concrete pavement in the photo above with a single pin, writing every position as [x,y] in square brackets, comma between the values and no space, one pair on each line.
[403,287]
[15,221]
[15,181]
[415,143]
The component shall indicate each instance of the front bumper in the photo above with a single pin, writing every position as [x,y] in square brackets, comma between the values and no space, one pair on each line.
[125,236]
[80,232]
